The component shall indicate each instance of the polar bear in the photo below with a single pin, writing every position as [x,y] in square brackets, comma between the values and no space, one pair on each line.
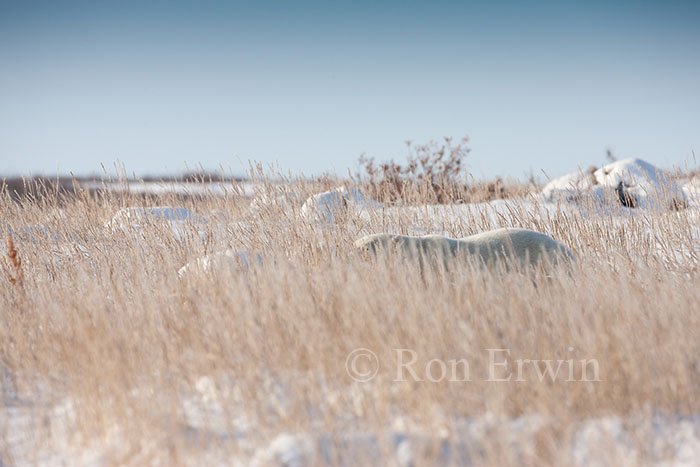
[522,246]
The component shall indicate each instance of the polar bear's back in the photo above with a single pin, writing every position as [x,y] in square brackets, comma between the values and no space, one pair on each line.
[409,245]
[524,245]
[519,245]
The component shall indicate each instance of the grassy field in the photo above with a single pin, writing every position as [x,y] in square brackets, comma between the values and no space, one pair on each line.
[108,356]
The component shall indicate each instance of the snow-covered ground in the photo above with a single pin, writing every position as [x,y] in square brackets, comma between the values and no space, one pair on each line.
[662,439]
[180,222]
[175,188]
[229,258]
[327,206]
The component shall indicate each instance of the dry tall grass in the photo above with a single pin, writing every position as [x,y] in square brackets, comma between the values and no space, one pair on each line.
[169,370]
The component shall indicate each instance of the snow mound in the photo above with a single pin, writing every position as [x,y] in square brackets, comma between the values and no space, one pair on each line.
[228,259]
[660,439]
[181,221]
[329,205]
[286,450]
[633,182]
[131,217]
[165,187]
[274,199]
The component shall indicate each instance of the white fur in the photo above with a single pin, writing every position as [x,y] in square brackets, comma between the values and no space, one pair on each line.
[519,245]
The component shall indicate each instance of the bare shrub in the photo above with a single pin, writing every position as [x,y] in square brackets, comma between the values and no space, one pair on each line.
[435,173]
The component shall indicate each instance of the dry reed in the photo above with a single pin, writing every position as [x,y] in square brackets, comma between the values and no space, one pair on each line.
[162,369]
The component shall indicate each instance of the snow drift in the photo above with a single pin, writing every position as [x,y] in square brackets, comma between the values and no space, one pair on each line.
[327,206]
[180,221]
[634,183]
[230,258]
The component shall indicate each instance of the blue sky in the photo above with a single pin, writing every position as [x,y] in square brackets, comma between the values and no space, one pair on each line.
[311,86]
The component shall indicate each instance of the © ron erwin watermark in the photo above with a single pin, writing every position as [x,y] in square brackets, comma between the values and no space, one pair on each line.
[500,366]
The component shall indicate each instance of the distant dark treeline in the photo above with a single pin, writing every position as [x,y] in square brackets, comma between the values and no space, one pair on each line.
[38,187]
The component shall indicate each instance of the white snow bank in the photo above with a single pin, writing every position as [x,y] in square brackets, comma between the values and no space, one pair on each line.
[216,408]
[58,246]
[52,438]
[642,183]
[39,232]
[329,205]
[660,440]
[131,217]
[286,450]
[161,188]
[692,190]
[228,259]
[277,197]
[180,221]
[31,232]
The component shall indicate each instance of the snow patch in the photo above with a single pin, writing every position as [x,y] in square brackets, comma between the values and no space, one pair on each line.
[328,206]
[180,221]
[286,450]
[274,198]
[161,188]
[228,259]
[639,183]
